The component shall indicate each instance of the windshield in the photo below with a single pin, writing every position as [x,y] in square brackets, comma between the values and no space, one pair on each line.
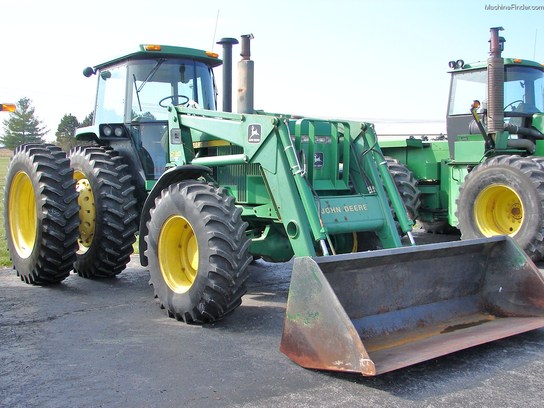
[158,83]
[523,90]
[140,90]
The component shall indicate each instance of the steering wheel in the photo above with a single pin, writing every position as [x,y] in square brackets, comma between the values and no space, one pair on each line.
[512,103]
[172,97]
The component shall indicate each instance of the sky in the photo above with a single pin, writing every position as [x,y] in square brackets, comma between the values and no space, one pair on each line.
[381,61]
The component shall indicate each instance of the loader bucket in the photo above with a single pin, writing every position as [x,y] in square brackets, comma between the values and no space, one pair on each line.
[379,311]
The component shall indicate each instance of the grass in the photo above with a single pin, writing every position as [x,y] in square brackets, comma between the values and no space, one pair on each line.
[5,259]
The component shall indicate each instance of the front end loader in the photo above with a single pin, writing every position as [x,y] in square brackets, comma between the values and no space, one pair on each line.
[210,191]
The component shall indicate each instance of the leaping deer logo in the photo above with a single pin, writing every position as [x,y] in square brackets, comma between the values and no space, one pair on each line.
[254,133]
[318,160]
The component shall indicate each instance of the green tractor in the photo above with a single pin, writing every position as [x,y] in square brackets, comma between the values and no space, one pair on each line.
[486,177]
[208,192]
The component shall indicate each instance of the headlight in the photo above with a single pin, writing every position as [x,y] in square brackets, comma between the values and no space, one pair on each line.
[107,131]
[118,131]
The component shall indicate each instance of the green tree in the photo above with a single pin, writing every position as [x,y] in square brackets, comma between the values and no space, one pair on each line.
[23,126]
[66,132]
[88,121]
[67,129]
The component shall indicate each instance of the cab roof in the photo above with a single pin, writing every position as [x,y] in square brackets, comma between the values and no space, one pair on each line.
[153,51]
[507,61]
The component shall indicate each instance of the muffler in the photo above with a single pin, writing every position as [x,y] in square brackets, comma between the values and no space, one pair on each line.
[379,311]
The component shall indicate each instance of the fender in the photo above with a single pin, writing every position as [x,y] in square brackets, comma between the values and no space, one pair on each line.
[171,176]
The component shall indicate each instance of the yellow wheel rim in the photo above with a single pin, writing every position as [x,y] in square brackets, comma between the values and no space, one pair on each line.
[498,210]
[87,211]
[23,220]
[178,254]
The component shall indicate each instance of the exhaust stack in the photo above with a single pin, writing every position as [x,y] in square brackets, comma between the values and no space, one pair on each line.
[227,44]
[246,71]
[495,83]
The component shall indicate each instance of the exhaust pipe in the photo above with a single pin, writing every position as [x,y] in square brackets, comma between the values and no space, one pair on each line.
[246,71]
[227,44]
[495,83]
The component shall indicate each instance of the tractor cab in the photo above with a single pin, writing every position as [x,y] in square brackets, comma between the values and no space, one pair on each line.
[523,95]
[134,92]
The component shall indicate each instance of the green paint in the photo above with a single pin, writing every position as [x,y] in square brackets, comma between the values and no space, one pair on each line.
[306,319]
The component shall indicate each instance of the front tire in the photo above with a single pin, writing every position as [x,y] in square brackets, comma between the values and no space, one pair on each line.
[107,213]
[504,196]
[198,252]
[41,214]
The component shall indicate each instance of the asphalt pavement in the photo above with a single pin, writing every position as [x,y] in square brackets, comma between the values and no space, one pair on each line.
[107,343]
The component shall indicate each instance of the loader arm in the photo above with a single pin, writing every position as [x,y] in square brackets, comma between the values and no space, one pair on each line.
[283,148]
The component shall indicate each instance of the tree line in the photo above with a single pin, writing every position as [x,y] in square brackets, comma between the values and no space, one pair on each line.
[23,126]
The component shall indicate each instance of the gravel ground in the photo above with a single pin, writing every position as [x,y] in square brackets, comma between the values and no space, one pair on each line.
[106,343]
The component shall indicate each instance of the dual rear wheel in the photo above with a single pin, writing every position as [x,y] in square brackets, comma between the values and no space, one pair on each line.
[79,212]
[107,211]
[41,214]
[64,213]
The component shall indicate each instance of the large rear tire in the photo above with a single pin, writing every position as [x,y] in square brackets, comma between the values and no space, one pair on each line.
[198,252]
[406,185]
[108,211]
[41,214]
[504,196]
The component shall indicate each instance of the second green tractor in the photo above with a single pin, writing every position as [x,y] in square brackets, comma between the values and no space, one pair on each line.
[485,178]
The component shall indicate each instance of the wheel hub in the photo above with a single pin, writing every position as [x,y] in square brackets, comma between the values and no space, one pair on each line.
[22,214]
[178,254]
[498,210]
[87,211]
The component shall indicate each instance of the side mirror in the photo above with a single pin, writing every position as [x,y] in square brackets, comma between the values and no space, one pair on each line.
[89,71]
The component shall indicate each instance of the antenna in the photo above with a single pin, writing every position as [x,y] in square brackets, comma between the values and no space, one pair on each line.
[534,48]
[215,29]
